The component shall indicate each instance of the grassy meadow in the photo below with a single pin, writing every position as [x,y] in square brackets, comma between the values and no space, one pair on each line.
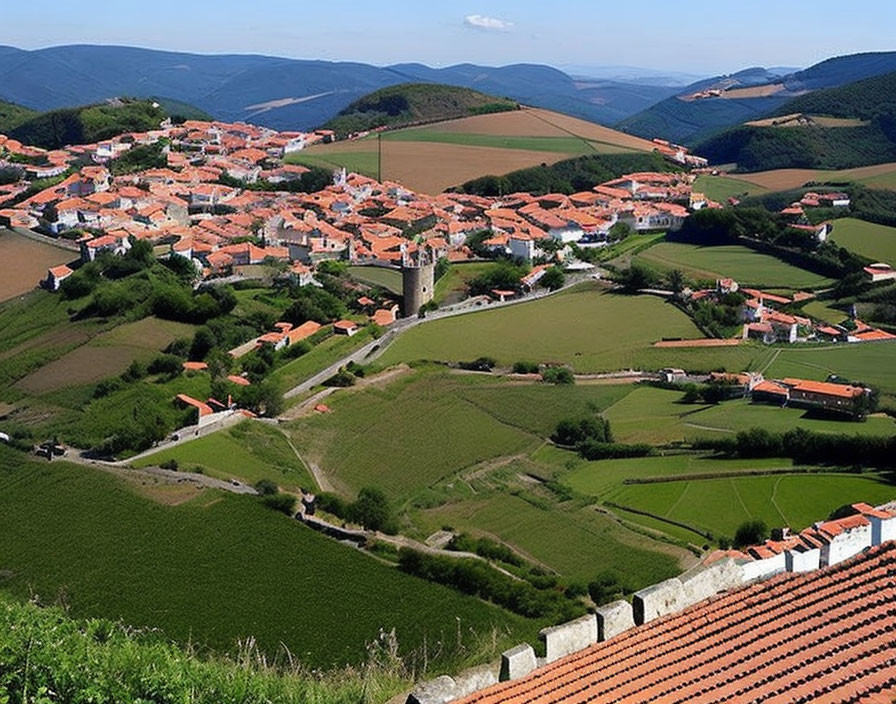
[743,264]
[877,242]
[657,416]
[389,279]
[250,451]
[720,188]
[589,330]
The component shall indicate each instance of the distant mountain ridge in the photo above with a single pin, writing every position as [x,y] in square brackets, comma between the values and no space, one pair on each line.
[284,93]
[862,133]
[683,118]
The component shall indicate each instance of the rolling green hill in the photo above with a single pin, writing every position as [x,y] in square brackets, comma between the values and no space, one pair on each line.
[91,123]
[12,115]
[412,103]
[816,143]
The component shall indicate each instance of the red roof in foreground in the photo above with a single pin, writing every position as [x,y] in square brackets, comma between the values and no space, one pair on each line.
[822,636]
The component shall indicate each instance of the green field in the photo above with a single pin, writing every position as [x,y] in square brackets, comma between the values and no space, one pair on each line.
[389,279]
[452,286]
[720,188]
[562,145]
[871,363]
[721,505]
[877,242]
[741,263]
[320,357]
[405,437]
[360,162]
[822,311]
[656,416]
[217,569]
[605,478]
[250,451]
[591,331]
[575,541]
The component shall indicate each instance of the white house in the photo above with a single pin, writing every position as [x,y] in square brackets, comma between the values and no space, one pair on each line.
[880,272]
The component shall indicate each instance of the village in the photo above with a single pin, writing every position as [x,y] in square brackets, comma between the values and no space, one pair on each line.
[206,208]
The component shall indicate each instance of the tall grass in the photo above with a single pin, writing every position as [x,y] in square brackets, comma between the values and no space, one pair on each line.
[45,656]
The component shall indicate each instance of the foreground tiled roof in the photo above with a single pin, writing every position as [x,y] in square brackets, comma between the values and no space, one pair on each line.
[823,636]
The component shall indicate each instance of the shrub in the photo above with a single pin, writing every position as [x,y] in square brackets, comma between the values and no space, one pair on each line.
[750,533]
[341,378]
[333,504]
[170,464]
[553,278]
[480,364]
[596,450]
[522,367]
[285,503]
[571,432]
[266,487]
[558,375]
[165,364]
[605,588]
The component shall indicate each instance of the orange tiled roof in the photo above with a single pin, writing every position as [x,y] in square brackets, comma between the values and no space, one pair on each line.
[819,636]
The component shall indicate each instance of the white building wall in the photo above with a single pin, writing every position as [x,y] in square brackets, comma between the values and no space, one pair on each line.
[845,545]
[882,529]
[803,561]
[757,569]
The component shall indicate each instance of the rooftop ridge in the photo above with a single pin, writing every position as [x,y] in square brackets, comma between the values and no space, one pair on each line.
[826,619]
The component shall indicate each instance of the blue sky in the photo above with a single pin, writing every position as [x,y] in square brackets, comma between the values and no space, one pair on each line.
[689,35]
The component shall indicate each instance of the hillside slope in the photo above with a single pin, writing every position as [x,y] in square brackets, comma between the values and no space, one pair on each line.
[864,134]
[410,103]
[12,115]
[88,124]
[695,113]
[285,93]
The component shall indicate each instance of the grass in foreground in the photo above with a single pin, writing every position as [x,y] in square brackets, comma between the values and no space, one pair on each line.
[219,569]
[44,650]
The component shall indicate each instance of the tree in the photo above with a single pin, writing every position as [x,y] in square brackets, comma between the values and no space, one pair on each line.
[676,280]
[750,533]
[553,278]
[372,510]
[637,277]
[619,231]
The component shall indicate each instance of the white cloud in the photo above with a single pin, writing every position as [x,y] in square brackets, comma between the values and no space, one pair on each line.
[488,23]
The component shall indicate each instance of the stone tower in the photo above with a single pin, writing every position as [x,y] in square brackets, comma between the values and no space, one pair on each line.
[418,280]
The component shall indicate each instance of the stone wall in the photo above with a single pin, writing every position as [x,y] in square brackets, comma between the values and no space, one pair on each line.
[517,662]
[759,569]
[613,619]
[569,637]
